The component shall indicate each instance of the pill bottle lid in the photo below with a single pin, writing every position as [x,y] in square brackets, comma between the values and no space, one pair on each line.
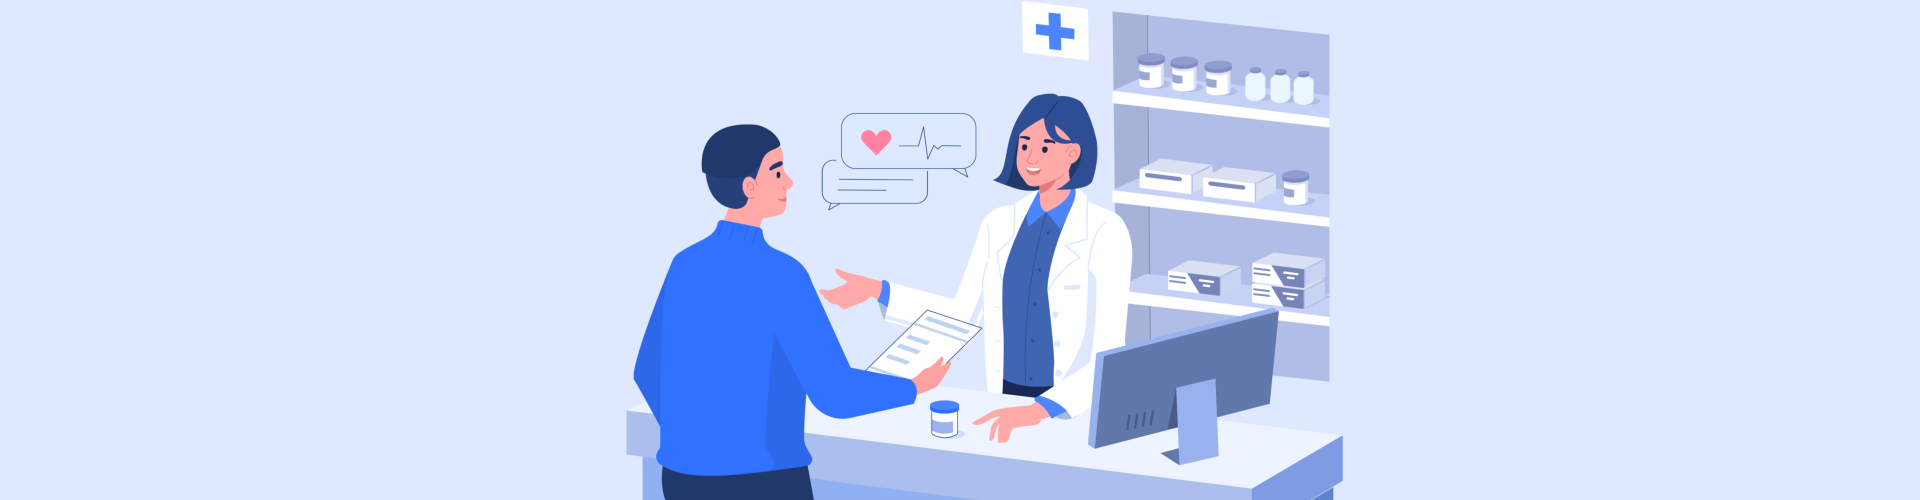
[1255,70]
[1279,72]
[944,407]
[1185,62]
[1152,59]
[1294,176]
[1304,74]
[1219,66]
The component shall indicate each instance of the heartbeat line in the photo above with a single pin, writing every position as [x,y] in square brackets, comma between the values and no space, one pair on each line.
[930,148]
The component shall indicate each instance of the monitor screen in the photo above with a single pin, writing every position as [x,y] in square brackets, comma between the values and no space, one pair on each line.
[1133,392]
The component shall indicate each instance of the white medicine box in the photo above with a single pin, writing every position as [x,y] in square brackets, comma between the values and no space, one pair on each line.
[1289,270]
[1238,185]
[1295,298]
[1173,175]
[1202,277]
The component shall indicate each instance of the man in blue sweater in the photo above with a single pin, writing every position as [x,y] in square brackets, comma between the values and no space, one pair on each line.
[738,342]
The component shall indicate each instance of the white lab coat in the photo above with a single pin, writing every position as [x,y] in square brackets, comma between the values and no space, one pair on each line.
[1087,288]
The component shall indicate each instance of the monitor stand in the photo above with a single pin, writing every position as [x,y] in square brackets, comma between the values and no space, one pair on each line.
[1196,409]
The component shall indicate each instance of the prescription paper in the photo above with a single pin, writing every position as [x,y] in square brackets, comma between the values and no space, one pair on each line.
[932,337]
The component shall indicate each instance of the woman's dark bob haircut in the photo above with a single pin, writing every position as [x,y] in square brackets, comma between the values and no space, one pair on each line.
[1063,114]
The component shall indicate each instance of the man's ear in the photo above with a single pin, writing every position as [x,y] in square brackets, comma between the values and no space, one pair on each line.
[748,185]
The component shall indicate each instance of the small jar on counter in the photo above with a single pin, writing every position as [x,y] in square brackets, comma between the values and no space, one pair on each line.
[1153,71]
[1219,78]
[946,418]
[1183,74]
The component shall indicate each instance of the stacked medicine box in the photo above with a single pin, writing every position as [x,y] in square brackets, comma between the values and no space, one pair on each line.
[1203,278]
[1289,280]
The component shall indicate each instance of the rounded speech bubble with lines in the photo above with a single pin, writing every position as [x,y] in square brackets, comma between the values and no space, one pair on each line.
[839,184]
[909,141]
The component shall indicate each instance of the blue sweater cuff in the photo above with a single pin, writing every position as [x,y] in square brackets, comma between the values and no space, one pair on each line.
[884,288]
[1053,409]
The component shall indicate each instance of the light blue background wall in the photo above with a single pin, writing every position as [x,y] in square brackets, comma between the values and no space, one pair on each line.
[406,249]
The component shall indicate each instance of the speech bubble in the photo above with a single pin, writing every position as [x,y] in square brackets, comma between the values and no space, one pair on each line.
[923,141]
[840,185]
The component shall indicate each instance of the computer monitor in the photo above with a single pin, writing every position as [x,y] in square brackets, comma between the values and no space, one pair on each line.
[1185,380]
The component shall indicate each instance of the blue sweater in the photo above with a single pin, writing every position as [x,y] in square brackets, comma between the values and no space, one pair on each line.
[737,344]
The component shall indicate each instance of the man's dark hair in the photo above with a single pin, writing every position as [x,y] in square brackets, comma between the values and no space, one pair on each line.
[732,155]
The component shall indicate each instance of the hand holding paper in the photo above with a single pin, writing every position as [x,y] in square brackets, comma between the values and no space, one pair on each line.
[932,340]
[930,377]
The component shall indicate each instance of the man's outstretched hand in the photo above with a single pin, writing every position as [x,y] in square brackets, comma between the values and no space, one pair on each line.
[1005,420]
[930,377]
[858,289]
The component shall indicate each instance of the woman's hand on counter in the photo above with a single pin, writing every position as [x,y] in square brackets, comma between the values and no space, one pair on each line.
[1005,420]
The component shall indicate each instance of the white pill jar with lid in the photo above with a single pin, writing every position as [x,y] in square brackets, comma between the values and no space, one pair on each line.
[1303,89]
[1153,71]
[1256,85]
[1219,78]
[946,418]
[1281,86]
[1293,187]
[1183,74]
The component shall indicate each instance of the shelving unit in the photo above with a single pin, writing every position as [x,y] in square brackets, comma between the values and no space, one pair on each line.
[1234,105]
[1270,208]
[1224,131]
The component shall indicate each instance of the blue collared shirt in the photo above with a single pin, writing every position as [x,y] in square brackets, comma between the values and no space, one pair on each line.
[1058,214]
[1027,319]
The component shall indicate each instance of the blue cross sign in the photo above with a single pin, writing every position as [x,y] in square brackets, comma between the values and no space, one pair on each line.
[1053,31]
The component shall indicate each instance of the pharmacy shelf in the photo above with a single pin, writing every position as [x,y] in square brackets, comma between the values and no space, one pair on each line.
[1151,291]
[1273,207]
[1234,105]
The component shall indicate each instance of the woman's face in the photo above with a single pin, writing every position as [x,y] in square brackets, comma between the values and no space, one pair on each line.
[1044,163]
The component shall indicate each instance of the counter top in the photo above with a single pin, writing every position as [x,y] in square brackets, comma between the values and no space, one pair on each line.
[895,449]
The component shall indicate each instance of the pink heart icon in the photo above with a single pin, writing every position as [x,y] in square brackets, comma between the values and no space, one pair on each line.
[876,142]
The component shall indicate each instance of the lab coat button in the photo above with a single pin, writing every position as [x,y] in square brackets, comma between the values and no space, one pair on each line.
[1056,314]
[1056,373]
[1056,343]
